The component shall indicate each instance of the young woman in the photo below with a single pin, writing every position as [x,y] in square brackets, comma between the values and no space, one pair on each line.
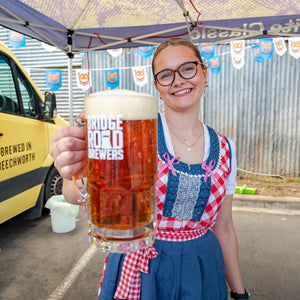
[195,251]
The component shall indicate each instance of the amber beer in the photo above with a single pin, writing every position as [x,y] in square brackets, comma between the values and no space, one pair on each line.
[121,128]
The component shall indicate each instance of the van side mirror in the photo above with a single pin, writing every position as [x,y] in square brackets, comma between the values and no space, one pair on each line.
[49,110]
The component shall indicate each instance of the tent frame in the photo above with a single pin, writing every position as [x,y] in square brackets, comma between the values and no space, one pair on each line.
[190,25]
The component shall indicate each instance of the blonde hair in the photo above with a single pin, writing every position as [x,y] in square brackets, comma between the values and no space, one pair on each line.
[178,42]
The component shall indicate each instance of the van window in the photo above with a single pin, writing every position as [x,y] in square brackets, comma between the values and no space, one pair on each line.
[8,96]
[27,95]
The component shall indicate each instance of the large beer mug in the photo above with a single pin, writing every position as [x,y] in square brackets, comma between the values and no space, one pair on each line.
[121,129]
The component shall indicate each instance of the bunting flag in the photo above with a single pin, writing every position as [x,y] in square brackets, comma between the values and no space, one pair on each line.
[208,51]
[279,46]
[146,51]
[256,53]
[263,50]
[139,75]
[53,79]
[48,48]
[83,79]
[266,48]
[294,47]
[237,50]
[112,78]
[115,52]
[238,61]
[215,64]
[16,39]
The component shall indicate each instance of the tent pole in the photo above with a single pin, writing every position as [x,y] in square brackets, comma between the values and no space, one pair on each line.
[70,88]
[70,81]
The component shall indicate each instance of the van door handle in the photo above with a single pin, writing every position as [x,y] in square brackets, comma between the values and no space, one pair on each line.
[1,133]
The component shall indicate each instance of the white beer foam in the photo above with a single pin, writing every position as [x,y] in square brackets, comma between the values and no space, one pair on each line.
[131,105]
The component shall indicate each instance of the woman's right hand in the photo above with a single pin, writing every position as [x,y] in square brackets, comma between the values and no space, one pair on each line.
[68,149]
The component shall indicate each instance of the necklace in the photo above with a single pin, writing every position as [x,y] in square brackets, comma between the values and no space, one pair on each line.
[182,140]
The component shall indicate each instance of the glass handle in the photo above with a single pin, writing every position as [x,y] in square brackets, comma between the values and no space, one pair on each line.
[81,192]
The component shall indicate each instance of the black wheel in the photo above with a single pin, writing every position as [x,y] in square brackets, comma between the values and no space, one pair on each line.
[53,186]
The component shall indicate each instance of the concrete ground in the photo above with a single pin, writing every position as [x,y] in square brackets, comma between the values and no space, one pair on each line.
[37,263]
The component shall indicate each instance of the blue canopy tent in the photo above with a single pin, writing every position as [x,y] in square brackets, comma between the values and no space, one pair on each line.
[76,26]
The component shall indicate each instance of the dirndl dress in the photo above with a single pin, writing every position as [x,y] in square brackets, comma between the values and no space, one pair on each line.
[186,260]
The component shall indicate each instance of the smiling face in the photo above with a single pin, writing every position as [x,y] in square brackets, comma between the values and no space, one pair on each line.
[182,94]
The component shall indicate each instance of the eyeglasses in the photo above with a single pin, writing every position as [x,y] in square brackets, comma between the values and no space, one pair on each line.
[187,70]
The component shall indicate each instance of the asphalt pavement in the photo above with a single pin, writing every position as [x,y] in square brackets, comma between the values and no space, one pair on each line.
[37,263]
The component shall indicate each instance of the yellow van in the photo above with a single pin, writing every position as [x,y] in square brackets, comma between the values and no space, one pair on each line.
[27,120]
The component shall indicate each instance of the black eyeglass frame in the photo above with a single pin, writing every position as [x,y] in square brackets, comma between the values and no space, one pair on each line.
[196,63]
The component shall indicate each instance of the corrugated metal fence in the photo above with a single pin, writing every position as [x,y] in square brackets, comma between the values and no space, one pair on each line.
[258,107]
[36,60]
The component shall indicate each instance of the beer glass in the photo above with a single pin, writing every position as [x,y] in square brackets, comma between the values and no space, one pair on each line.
[121,130]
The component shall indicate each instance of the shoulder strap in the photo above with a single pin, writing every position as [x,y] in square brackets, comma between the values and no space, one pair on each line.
[229,152]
